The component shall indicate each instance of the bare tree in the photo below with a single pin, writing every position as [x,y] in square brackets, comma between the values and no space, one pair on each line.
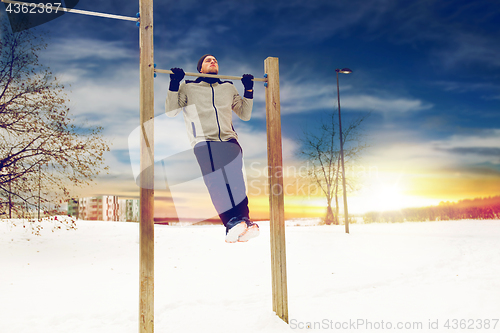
[321,151]
[42,151]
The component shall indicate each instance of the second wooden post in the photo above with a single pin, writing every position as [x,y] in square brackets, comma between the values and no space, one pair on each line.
[146,255]
[276,194]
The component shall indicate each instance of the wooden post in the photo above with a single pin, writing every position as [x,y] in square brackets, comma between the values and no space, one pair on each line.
[146,256]
[276,195]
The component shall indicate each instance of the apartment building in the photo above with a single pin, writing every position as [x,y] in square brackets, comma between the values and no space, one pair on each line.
[128,210]
[104,208]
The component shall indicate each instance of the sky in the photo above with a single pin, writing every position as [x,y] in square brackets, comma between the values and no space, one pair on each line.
[427,74]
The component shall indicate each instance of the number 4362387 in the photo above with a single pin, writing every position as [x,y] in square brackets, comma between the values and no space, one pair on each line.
[33,8]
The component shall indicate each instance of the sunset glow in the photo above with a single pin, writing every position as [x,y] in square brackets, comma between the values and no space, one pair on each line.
[426,73]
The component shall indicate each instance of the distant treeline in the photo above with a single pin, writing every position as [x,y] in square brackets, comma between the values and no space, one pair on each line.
[480,208]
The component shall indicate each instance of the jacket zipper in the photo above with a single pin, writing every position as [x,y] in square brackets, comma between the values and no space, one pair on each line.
[216,113]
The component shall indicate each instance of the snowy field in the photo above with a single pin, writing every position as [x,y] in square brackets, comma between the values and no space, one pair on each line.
[411,277]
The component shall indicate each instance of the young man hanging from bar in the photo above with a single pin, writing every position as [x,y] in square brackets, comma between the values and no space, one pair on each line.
[214,140]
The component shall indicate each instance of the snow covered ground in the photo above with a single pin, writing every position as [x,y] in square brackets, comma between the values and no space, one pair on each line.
[411,277]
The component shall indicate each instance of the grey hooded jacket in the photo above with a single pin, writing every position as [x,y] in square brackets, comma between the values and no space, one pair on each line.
[207,105]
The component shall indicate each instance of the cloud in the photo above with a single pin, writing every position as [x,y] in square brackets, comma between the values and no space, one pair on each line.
[415,153]
[462,87]
[111,102]
[468,48]
[379,104]
[478,151]
[489,90]
[488,138]
[447,31]
[311,97]
[320,20]
[300,97]
[79,49]
[472,149]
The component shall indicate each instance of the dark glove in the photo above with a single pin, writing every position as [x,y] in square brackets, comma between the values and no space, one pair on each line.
[176,78]
[248,84]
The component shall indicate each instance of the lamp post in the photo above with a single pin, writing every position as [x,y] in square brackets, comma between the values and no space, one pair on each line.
[343,71]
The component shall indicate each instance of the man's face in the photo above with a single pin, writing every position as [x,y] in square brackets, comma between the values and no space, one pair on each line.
[210,65]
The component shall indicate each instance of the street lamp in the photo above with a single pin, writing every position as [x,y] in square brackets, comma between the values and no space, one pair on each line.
[343,71]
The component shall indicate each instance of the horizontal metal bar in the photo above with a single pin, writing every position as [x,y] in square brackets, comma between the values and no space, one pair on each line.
[227,77]
[75,11]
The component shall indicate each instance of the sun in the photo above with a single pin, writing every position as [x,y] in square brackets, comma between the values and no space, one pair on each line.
[380,196]
[389,197]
